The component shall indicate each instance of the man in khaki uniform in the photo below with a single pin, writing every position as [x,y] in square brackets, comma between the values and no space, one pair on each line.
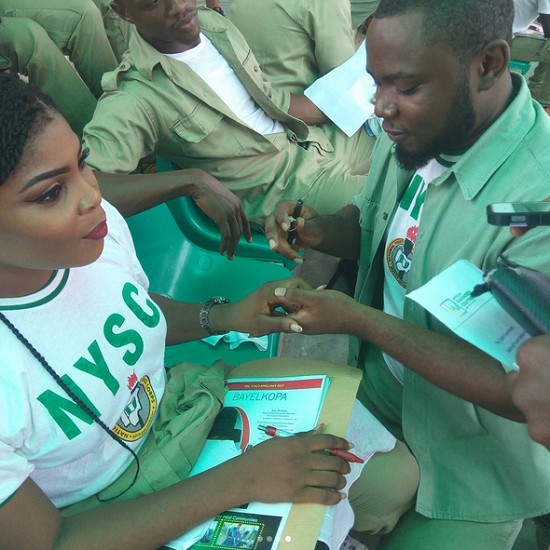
[298,42]
[154,103]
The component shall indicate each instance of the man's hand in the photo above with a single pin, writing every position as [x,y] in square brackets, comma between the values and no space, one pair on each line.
[278,224]
[319,311]
[530,387]
[519,231]
[225,209]
[258,313]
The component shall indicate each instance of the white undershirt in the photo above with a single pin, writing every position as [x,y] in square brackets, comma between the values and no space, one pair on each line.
[400,244]
[207,62]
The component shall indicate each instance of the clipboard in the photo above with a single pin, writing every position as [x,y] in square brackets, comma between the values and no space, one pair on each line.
[304,522]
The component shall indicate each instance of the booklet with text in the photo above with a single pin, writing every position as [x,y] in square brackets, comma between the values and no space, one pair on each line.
[292,404]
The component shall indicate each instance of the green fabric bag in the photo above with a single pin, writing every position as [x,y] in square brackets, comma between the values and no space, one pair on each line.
[193,397]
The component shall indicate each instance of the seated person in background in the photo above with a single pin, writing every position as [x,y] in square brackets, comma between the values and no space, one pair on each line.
[215,5]
[26,48]
[76,27]
[534,49]
[460,132]
[190,90]
[361,10]
[118,31]
[34,35]
[297,42]
[68,442]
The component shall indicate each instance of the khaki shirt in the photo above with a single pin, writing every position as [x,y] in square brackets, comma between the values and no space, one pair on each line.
[156,104]
[296,42]
[361,9]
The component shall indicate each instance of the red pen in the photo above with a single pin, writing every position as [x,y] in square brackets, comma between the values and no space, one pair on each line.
[274,432]
[345,455]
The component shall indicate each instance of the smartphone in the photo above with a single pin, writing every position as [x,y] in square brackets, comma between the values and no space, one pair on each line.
[519,214]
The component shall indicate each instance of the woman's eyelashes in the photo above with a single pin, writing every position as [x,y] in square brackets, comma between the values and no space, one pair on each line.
[51,195]
[82,159]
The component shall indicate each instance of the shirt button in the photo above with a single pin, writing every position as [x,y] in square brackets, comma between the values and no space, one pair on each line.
[294,138]
[256,69]
[385,216]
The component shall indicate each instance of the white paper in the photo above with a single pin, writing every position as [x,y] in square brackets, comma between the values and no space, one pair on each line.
[368,437]
[480,320]
[344,93]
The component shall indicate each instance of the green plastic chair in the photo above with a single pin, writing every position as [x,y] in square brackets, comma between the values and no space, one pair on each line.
[181,269]
[199,229]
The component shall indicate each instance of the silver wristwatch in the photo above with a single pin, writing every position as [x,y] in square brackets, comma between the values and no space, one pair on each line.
[204,314]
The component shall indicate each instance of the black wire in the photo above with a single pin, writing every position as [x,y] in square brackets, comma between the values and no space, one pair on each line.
[42,360]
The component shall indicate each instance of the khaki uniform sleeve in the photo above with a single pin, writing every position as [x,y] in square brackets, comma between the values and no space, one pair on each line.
[328,22]
[120,134]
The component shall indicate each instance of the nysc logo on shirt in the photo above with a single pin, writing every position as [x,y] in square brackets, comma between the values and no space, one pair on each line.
[140,409]
[399,256]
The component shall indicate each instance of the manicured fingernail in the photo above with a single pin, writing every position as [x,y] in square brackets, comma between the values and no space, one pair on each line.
[296,328]
[322,287]
[285,226]
[350,445]
[280,291]
[343,496]
[272,243]
[299,260]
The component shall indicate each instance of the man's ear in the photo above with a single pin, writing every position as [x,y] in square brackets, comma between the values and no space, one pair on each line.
[493,63]
[120,10]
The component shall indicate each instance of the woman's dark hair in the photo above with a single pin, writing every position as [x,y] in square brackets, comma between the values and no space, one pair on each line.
[466,26]
[24,111]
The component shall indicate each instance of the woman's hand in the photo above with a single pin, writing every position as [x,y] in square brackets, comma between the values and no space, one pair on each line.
[295,469]
[257,313]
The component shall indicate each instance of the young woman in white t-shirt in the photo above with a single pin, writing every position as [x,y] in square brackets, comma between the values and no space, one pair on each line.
[70,286]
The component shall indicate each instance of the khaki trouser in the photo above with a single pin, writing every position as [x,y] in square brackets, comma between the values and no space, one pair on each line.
[76,28]
[26,48]
[535,50]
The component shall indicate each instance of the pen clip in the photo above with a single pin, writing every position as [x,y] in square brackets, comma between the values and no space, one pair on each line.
[292,236]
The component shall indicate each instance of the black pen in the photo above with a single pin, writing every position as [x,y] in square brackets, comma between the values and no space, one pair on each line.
[291,239]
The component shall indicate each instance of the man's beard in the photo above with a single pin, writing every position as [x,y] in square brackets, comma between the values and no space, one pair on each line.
[459,125]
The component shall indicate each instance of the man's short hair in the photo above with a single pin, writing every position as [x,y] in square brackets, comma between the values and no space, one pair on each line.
[464,25]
